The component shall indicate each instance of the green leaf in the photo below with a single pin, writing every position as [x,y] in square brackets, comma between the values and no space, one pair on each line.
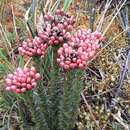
[3,55]
[7,65]
[30,16]
[2,69]
[21,61]
[67,4]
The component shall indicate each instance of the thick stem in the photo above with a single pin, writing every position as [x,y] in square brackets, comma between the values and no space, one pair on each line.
[73,85]
[55,89]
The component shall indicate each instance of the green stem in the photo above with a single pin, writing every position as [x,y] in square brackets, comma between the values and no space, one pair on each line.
[54,91]
[71,97]
[42,92]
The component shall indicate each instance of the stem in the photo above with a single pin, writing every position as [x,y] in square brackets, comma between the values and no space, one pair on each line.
[42,95]
[54,91]
[73,85]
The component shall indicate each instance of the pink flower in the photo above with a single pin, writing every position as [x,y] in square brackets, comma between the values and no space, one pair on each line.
[22,80]
[79,49]
[33,47]
[57,28]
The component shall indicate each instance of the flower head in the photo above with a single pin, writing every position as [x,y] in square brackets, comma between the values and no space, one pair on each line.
[79,50]
[33,47]
[57,28]
[22,80]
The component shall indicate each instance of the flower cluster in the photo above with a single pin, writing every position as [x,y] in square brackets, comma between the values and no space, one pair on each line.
[33,47]
[22,80]
[56,31]
[79,50]
[75,52]
[57,28]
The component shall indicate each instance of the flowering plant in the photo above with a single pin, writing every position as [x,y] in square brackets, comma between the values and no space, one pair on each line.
[52,86]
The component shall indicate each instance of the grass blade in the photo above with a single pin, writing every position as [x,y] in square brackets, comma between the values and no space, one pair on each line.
[67,4]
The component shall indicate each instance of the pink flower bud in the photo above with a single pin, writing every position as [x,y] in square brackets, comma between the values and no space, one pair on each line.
[8,82]
[91,53]
[20,49]
[23,79]
[65,24]
[8,88]
[34,84]
[52,38]
[60,26]
[66,66]
[32,73]
[81,66]
[78,61]
[23,84]
[58,60]
[13,87]
[26,70]
[72,66]
[65,45]
[67,62]
[56,42]
[38,76]
[45,17]
[84,62]
[33,80]
[10,76]
[18,91]
[83,57]
[61,39]
[14,81]
[18,83]
[62,57]
[29,87]
[60,51]
[66,50]
[61,64]
[28,79]
[23,90]
[58,12]
[33,69]
[70,27]
[39,51]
